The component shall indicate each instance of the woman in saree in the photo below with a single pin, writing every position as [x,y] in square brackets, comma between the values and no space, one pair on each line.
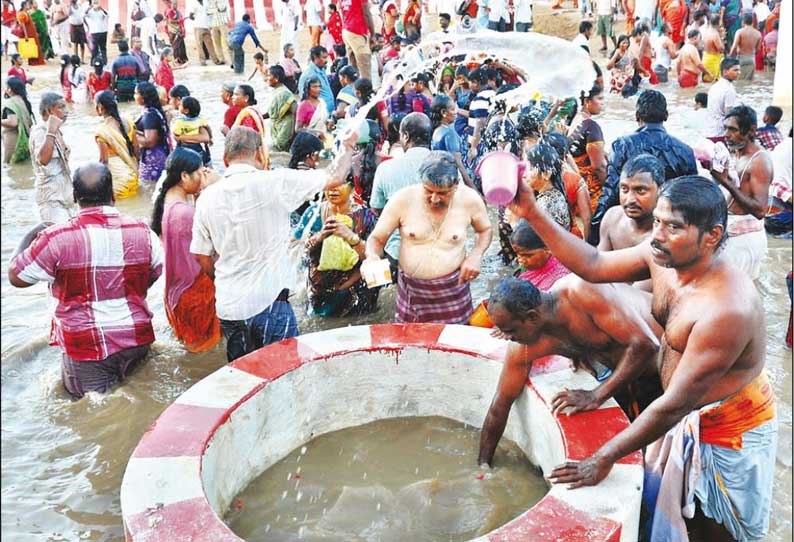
[312,112]
[189,292]
[731,11]
[114,139]
[151,133]
[249,116]
[587,144]
[27,30]
[335,292]
[40,20]
[175,29]
[17,119]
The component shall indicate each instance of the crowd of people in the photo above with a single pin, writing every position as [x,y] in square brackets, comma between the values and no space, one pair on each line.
[677,232]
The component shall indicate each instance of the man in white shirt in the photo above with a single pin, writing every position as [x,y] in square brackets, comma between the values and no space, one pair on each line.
[202,24]
[582,39]
[96,18]
[315,20]
[218,12]
[241,234]
[522,15]
[722,97]
[77,27]
[497,15]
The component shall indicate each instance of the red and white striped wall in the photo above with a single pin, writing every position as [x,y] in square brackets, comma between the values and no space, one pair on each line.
[261,11]
[233,425]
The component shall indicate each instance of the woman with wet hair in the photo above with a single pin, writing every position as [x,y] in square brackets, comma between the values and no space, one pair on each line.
[587,144]
[545,172]
[312,113]
[365,161]
[114,140]
[151,133]
[443,112]
[576,190]
[78,80]
[189,292]
[17,120]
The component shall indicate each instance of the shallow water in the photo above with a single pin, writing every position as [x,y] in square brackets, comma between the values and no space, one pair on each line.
[63,461]
[390,480]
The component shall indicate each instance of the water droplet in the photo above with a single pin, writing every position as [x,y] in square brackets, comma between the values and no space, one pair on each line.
[267,528]
[378,507]
[303,450]
[364,477]
[284,495]
[299,496]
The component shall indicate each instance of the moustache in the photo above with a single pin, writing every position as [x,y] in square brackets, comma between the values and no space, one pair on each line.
[659,247]
[632,207]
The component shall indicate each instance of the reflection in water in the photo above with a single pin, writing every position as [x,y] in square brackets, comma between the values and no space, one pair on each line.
[63,461]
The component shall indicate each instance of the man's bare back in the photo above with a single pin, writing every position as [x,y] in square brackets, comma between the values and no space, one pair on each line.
[689,59]
[746,41]
[712,40]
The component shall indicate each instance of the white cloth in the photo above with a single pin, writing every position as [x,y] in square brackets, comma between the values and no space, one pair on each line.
[746,250]
[497,10]
[201,18]
[761,11]
[97,21]
[53,187]
[77,14]
[581,40]
[148,33]
[314,10]
[604,7]
[781,177]
[244,218]
[722,98]
[644,9]
[523,11]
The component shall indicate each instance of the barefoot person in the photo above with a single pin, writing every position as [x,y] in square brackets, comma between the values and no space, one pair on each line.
[689,64]
[745,46]
[713,48]
[433,281]
[600,326]
[711,365]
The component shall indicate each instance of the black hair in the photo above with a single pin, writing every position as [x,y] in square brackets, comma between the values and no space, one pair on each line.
[478,75]
[16,56]
[349,72]
[277,72]
[393,134]
[584,26]
[179,91]
[332,7]
[651,107]
[247,18]
[524,236]
[259,56]
[559,142]
[745,117]
[192,106]
[107,100]
[364,87]
[304,145]
[462,70]
[317,51]
[92,184]
[151,99]
[18,88]
[645,163]
[418,129]
[180,160]
[516,296]
[692,33]
[776,24]
[75,61]
[702,98]
[159,18]
[774,113]
[438,106]
[700,202]
[307,85]
[369,161]
[728,62]
[444,16]
[529,123]
[748,19]
[595,91]
[340,50]
[66,61]
[545,159]
[123,46]
[248,90]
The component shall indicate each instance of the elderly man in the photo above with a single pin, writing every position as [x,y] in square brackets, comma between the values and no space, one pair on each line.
[652,138]
[711,365]
[318,60]
[394,175]
[50,156]
[434,275]
[140,56]
[249,261]
[607,328]
[100,266]
[747,184]
[632,222]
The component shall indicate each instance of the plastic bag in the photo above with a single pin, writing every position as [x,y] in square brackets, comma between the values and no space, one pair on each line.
[337,254]
[27,48]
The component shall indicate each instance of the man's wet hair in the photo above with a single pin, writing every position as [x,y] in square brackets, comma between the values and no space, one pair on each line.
[179,91]
[728,62]
[645,163]
[748,19]
[702,98]
[417,127]
[123,46]
[524,236]
[259,56]
[700,202]
[440,169]
[317,51]
[692,33]
[92,185]
[745,117]
[516,296]
[444,16]
[478,75]
[651,107]
[584,26]
[774,113]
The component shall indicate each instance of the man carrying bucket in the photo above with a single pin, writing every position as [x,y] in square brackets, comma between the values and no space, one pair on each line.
[435,271]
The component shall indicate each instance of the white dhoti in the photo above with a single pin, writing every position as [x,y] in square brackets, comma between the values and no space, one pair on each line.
[746,244]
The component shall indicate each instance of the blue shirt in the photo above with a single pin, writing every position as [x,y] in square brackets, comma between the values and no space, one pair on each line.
[462,99]
[240,31]
[445,138]
[312,70]
[677,157]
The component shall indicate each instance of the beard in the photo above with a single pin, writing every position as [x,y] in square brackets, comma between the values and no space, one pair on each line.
[736,147]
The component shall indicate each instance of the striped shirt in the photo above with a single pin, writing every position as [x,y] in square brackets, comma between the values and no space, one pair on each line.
[100,266]
[480,106]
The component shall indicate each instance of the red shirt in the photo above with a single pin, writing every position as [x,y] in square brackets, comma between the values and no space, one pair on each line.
[9,15]
[353,16]
[334,26]
[98,83]
[100,265]
[231,115]
[164,76]
[18,72]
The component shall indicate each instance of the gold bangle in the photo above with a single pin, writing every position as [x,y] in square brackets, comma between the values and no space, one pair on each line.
[358,241]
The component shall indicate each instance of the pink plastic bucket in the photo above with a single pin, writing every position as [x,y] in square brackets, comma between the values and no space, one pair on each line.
[499,171]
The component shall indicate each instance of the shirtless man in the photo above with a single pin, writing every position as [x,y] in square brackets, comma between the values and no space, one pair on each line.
[713,48]
[433,281]
[745,46]
[689,64]
[631,223]
[748,198]
[610,324]
[712,351]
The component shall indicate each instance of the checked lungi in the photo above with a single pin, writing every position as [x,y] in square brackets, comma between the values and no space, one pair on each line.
[441,300]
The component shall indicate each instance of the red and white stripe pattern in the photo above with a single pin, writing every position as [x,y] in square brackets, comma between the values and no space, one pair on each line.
[190,463]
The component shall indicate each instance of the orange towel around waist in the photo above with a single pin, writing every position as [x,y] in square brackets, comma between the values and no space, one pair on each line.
[748,408]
